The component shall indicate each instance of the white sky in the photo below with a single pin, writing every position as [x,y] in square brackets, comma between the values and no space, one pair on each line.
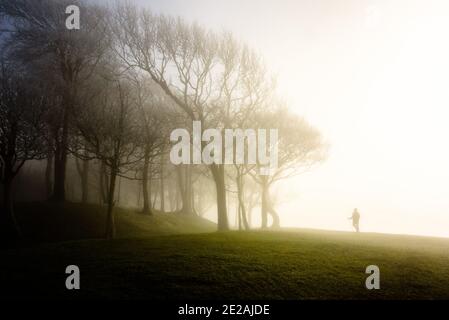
[373,76]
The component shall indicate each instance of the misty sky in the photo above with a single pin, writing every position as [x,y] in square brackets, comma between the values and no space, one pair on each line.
[373,76]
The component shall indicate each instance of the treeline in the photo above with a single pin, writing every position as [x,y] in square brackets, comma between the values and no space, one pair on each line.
[105,98]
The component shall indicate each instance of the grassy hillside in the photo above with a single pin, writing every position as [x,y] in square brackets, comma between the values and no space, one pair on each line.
[294,264]
[52,222]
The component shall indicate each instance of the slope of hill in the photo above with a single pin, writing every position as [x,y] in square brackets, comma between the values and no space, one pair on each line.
[294,264]
[51,222]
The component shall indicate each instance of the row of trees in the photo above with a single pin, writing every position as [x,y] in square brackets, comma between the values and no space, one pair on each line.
[108,96]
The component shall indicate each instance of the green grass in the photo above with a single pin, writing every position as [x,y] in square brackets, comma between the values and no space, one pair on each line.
[291,264]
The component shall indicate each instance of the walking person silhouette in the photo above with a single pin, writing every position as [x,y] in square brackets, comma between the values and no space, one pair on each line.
[355,219]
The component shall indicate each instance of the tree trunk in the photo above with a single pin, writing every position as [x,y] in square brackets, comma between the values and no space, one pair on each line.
[183,173]
[171,200]
[119,193]
[61,159]
[243,221]
[85,182]
[83,172]
[199,203]
[177,200]
[139,194]
[267,207]
[103,183]
[187,197]
[48,171]
[263,207]
[219,179]
[253,200]
[162,189]
[155,194]
[237,222]
[192,199]
[274,215]
[145,187]
[58,185]
[10,231]
[110,221]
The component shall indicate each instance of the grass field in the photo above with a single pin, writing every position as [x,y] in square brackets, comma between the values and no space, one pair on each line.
[156,261]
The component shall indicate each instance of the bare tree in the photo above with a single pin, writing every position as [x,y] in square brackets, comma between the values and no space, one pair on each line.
[39,33]
[245,88]
[300,146]
[193,66]
[110,129]
[22,111]
[154,111]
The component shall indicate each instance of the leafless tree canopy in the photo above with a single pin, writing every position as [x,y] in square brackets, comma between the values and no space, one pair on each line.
[107,96]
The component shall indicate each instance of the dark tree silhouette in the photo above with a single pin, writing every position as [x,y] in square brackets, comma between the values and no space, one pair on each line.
[39,33]
[22,112]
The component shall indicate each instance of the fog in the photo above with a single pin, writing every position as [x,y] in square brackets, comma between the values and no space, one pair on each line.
[373,77]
